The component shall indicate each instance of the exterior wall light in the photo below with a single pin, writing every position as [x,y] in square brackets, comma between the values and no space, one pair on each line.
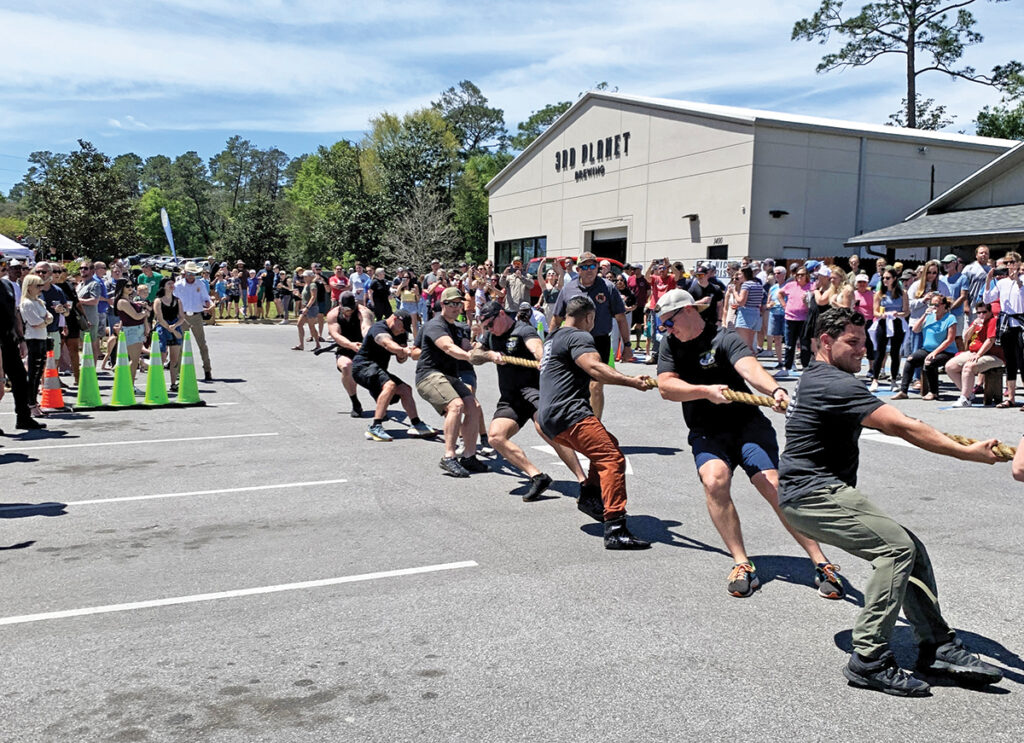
[777,213]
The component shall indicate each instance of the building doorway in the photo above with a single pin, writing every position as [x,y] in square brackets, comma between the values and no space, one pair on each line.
[614,248]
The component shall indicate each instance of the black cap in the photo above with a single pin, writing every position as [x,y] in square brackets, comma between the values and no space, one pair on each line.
[488,310]
[347,300]
[406,319]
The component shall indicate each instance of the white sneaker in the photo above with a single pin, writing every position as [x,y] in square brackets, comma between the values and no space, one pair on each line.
[873,387]
[961,402]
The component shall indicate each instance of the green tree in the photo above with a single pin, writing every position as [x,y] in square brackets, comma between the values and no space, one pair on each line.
[931,35]
[928,115]
[189,182]
[418,149]
[1003,121]
[128,168]
[470,201]
[12,226]
[156,173]
[268,170]
[82,203]
[537,124]
[188,238]
[255,234]
[231,168]
[479,127]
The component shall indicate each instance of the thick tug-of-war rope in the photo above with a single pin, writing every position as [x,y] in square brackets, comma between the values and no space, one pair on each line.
[516,361]
[1003,452]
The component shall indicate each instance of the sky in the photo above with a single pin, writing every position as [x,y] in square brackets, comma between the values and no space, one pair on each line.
[168,76]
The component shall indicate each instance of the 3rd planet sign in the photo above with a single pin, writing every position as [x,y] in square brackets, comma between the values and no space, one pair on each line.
[592,156]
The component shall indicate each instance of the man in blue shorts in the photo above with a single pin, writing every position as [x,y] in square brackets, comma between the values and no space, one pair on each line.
[696,363]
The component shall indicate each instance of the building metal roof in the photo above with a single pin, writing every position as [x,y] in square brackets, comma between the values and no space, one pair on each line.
[754,116]
[990,224]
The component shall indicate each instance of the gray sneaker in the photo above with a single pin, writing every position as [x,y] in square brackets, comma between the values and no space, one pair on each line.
[954,660]
[452,467]
[376,432]
[422,431]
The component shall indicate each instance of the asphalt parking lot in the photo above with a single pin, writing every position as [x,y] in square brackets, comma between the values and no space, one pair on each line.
[257,571]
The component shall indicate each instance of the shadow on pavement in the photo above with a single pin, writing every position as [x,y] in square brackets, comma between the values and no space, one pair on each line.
[799,571]
[12,457]
[19,546]
[904,647]
[655,530]
[24,510]
[43,434]
[663,451]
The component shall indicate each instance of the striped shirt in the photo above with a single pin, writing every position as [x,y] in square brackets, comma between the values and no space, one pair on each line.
[755,294]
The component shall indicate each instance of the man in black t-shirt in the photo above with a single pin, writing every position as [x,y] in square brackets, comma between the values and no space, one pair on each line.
[385,339]
[819,497]
[442,346]
[569,362]
[347,324]
[519,389]
[696,363]
[708,289]
[380,294]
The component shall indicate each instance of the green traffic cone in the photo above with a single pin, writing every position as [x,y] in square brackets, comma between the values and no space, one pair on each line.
[88,384]
[540,329]
[188,386]
[123,394]
[611,358]
[156,385]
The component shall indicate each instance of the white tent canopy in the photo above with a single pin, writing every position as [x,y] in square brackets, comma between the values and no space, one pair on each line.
[11,249]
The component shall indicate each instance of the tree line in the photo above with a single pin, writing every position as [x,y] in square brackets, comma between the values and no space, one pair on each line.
[410,190]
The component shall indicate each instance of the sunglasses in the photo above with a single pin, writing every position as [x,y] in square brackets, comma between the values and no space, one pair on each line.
[668,322]
[488,323]
[453,303]
[587,266]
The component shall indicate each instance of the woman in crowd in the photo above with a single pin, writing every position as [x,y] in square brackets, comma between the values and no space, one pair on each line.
[938,341]
[919,295]
[73,339]
[409,291]
[732,294]
[842,291]
[776,330]
[863,301]
[169,321]
[748,300]
[133,315]
[35,318]
[549,294]
[981,355]
[309,314]
[891,310]
[818,300]
[794,295]
[1009,292]
[283,296]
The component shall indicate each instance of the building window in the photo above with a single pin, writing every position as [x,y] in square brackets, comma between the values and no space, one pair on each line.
[526,248]
[718,252]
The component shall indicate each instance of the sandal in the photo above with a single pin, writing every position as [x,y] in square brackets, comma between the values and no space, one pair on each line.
[1007,404]
[298,348]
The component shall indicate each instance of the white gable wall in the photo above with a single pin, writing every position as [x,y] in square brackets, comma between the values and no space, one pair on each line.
[1005,190]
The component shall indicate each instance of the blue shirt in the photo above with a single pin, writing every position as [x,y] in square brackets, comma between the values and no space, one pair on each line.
[934,332]
[953,286]
[606,298]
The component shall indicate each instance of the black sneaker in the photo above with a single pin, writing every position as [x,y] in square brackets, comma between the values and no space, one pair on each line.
[826,578]
[472,464]
[538,484]
[590,502]
[884,675]
[743,580]
[28,424]
[452,467]
[954,660]
[357,410]
[618,537]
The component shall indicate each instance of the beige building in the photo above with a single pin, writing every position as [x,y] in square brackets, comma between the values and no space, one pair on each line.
[641,178]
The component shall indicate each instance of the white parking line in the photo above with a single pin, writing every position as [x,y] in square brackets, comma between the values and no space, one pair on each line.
[25,618]
[584,462]
[137,441]
[252,488]
[882,438]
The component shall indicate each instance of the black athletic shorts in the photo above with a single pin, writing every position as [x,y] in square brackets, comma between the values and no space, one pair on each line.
[347,352]
[373,378]
[603,344]
[639,316]
[520,408]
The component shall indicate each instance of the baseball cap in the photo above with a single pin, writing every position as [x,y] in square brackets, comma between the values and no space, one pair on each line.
[525,306]
[267,263]
[862,277]
[348,299]
[908,274]
[588,256]
[949,258]
[811,265]
[451,293]
[488,310]
[700,268]
[824,271]
[675,299]
[404,316]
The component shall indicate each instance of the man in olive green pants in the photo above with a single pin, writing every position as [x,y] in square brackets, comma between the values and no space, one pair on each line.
[818,496]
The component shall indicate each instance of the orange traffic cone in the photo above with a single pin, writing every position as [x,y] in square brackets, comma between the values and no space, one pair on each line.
[53,398]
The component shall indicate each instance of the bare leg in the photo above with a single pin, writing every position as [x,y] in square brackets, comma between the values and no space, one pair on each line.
[767,484]
[717,481]
[174,352]
[408,402]
[134,355]
[501,432]
[452,421]
[470,424]
[345,367]
[384,401]
[747,335]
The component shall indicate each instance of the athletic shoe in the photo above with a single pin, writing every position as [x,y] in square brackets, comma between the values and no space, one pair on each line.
[954,660]
[28,424]
[173,389]
[485,448]
[826,578]
[357,410]
[472,464]
[376,432]
[422,431]
[873,387]
[743,580]
[961,402]
[782,374]
[884,675]
[590,502]
[538,484]
[452,467]
[283,322]
[618,537]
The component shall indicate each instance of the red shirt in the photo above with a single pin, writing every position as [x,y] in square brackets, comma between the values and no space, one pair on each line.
[987,331]
[338,285]
[660,285]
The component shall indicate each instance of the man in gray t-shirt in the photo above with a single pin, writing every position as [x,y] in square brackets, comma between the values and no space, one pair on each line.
[819,497]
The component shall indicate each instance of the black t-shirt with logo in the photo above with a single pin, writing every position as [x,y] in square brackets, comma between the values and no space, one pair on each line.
[606,298]
[564,386]
[433,359]
[513,379]
[371,351]
[823,425]
[709,358]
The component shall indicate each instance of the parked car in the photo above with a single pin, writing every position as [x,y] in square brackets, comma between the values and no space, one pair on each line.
[533,268]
